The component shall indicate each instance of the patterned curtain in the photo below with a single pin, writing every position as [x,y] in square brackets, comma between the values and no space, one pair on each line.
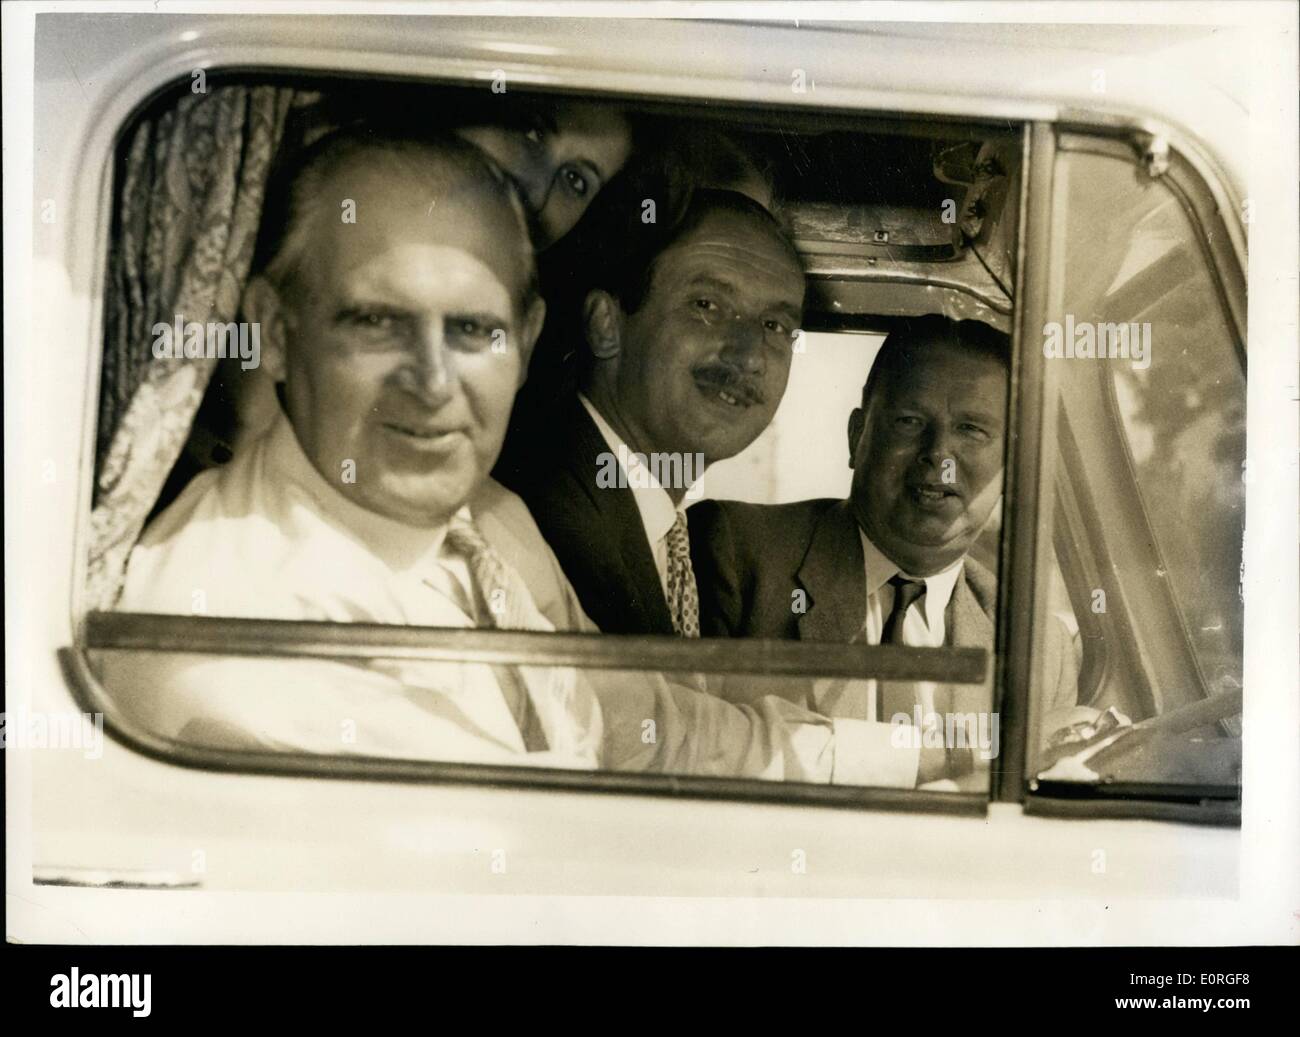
[192,180]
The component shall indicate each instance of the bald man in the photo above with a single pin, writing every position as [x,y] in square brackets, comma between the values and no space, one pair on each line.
[397,342]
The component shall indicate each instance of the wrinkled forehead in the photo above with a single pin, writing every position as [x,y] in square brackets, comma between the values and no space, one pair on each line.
[424,198]
[941,368]
[745,244]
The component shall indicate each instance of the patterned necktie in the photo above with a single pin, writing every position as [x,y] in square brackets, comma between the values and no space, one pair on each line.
[683,596]
[906,593]
[504,603]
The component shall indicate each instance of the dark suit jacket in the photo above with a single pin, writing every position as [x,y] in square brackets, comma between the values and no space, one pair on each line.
[596,532]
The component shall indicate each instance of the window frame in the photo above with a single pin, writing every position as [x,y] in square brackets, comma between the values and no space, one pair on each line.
[279,638]
[1011,662]
[1223,251]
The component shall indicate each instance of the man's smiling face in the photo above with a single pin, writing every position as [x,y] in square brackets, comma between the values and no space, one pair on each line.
[703,363]
[927,456]
[389,333]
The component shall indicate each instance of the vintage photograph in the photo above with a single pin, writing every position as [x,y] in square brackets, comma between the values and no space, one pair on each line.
[738,456]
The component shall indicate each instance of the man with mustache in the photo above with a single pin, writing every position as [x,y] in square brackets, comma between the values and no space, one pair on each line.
[369,501]
[891,563]
[688,347]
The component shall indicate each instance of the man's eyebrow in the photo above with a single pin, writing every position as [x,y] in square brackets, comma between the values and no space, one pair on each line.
[906,401]
[351,307]
[988,417]
[710,281]
[487,317]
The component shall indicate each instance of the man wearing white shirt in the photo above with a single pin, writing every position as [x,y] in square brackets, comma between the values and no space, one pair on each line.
[397,342]
[368,500]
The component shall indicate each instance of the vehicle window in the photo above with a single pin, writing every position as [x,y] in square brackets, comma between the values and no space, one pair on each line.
[376,706]
[1149,502]
[292,391]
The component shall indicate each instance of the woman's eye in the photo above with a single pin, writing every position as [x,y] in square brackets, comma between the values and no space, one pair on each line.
[704,305]
[374,321]
[576,182]
[777,326]
[470,327]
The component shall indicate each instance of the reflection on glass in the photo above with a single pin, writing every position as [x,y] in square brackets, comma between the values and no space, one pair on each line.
[823,731]
[1150,503]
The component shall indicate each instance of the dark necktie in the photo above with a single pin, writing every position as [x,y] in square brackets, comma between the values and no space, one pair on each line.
[906,592]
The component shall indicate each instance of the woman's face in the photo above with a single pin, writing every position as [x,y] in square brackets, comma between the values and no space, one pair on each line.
[560,156]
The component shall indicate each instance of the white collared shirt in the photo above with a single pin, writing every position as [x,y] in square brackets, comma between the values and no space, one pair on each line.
[923,627]
[269,537]
[656,507]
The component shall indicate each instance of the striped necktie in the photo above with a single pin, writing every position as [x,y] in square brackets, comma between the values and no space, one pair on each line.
[506,604]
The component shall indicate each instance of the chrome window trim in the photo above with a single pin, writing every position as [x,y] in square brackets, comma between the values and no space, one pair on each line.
[213,635]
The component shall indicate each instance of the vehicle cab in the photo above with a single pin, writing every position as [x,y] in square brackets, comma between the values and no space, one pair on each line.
[1036,178]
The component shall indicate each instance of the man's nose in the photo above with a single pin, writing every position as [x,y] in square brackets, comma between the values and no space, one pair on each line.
[938,445]
[743,345]
[430,372]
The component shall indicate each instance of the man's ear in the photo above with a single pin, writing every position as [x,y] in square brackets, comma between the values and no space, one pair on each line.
[263,305]
[857,422]
[528,334]
[602,319]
